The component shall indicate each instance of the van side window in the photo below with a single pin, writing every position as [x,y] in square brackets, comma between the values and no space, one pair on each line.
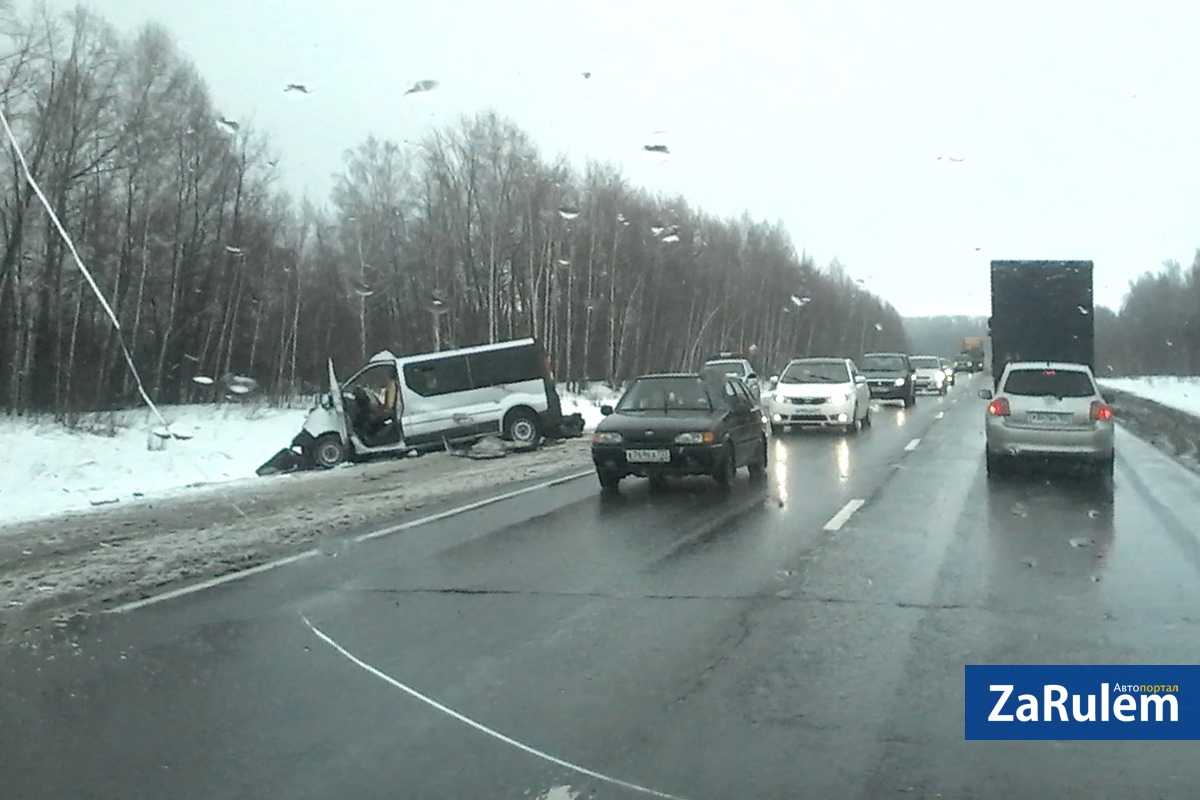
[510,365]
[438,376]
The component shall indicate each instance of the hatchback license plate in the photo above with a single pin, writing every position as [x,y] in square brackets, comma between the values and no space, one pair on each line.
[648,456]
[1048,417]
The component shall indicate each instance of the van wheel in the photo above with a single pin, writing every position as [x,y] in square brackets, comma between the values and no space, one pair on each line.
[328,451]
[521,427]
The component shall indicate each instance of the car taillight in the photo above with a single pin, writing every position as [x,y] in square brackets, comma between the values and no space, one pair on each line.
[999,407]
[1101,410]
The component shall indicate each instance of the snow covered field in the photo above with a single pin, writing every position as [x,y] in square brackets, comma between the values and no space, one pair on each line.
[116,458]
[1181,394]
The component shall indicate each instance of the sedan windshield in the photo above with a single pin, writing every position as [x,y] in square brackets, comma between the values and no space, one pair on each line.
[672,394]
[1049,383]
[925,362]
[815,372]
[883,363]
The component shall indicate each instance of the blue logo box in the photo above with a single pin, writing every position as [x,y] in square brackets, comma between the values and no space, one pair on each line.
[1118,702]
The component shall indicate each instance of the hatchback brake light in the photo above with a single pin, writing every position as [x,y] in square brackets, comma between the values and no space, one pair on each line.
[1100,410]
[999,407]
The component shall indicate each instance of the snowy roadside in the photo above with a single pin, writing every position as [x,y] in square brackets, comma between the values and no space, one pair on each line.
[80,561]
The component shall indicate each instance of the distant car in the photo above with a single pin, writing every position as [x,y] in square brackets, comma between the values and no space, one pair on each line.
[680,424]
[948,369]
[731,364]
[964,365]
[1048,409]
[890,377]
[820,391]
[929,375]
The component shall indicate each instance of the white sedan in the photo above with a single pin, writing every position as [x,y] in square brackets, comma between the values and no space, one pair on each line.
[822,392]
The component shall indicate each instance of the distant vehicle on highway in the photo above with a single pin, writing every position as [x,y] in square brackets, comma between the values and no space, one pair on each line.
[929,375]
[730,363]
[948,369]
[1048,409]
[820,391]
[677,424]
[890,376]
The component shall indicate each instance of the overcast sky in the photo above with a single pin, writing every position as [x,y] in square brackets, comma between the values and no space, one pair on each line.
[1076,122]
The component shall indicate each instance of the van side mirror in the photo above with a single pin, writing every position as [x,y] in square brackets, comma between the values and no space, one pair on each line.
[985,394]
[606,409]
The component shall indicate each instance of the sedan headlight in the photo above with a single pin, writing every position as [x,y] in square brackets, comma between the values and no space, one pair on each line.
[697,437]
[606,437]
[838,399]
[780,397]
[899,381]
[939,376]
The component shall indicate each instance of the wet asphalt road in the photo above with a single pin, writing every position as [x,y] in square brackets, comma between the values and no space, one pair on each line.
[696,644]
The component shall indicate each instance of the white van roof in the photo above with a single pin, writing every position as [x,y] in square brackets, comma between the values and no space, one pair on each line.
[387,355]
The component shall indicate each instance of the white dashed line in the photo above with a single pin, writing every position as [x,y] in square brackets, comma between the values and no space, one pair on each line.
[912,445]
[840,518]
[280,562]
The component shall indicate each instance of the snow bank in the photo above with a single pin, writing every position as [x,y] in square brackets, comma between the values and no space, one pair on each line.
[110,458]
[1181,394]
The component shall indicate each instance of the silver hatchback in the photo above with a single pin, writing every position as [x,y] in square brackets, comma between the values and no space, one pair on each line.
[1048,410]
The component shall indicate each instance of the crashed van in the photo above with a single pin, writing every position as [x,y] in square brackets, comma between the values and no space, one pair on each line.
[400,404]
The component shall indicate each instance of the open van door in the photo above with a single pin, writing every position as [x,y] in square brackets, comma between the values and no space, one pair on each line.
[339,407]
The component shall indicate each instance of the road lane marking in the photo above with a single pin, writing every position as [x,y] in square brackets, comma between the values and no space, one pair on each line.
[452,512]
[211,582]
[912,445]
[280,562]
[429,701]
[840,518]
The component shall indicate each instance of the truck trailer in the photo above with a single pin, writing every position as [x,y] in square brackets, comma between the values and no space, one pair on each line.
[1041,311]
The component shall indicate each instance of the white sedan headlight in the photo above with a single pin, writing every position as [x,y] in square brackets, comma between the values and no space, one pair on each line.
[899,381]
[606,437]
[939,376]
[780,397]
[838,399]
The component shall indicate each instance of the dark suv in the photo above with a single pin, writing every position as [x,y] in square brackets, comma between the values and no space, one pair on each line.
[890,376]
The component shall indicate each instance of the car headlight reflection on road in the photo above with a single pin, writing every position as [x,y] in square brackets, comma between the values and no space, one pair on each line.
[695,437]
[606,437]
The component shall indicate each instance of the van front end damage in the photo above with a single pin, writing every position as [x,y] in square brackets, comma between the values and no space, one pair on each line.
[291,459]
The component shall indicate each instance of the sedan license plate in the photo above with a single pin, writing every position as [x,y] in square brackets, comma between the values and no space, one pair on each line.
[648,456]
[1048,418]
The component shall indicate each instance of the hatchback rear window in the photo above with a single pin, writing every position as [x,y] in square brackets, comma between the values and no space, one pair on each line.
[1049,382]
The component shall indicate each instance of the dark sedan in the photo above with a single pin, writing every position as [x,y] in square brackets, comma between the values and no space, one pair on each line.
[890,376]
[680,424]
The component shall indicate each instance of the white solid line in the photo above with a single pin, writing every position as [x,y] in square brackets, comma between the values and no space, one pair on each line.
[451,512]
[912,445]
[840,518]
[211,582]
[245,573]
[478,725]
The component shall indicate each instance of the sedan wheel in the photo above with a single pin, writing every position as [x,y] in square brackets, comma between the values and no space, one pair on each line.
[726,471]
[758,466]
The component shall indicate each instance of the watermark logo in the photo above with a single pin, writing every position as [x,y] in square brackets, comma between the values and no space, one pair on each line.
[1072,702]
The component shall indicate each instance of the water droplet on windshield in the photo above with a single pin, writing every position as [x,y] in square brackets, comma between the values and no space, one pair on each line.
[1080,541]
[878,327]
[568,212]
[362,289]
[799,301]
[422,86]
[671,239]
